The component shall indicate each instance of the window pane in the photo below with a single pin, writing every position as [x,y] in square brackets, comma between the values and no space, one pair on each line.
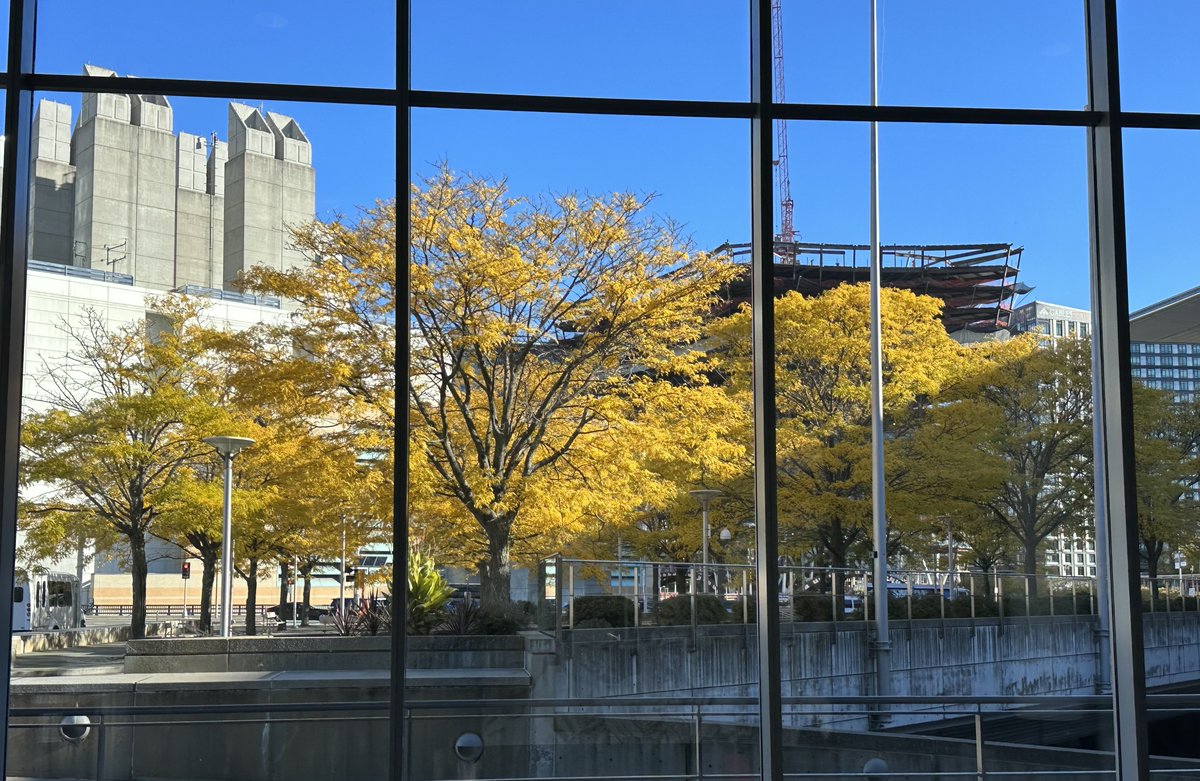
[988,446]
[1160,186]
[1025,54]
[182,287]
[673,49]
[564,355]
[301,42]
[1158,55]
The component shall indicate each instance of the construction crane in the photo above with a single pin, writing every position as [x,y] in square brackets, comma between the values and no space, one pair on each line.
[783,180]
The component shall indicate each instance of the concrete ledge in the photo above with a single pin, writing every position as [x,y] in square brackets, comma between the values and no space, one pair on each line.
[259,654]
[28,642]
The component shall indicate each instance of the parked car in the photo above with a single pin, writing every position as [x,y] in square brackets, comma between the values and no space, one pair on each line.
[285,612]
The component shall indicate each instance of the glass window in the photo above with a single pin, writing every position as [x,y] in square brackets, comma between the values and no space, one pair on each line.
[149,237]
[266,42]
[663,50]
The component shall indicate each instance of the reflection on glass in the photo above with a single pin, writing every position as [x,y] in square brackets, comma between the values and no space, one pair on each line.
[185,292]
[1164,357]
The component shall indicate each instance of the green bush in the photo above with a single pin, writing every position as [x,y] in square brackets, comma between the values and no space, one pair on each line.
[612,609]
[812,606]
[428,594]
[593,623]
[678,610]
[505,619]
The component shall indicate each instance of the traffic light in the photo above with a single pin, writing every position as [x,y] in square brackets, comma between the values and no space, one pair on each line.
[186,572]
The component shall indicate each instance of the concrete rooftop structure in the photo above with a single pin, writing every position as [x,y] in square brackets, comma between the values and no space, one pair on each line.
[1175,319]
[121,192]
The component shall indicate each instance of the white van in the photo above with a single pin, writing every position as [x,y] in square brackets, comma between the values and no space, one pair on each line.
[47,601]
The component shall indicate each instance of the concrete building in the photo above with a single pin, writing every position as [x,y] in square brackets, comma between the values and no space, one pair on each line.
[121,192]
[1164,348]
[122,207]
[1164,353]
[1051,321]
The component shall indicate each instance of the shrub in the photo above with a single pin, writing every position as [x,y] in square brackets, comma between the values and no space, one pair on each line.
[678,610]
[613,610]
[811,606]
[593,623]
[505,619]
[463,618]
[428,594]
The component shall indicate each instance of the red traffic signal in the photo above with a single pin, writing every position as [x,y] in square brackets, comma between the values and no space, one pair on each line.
[186,571]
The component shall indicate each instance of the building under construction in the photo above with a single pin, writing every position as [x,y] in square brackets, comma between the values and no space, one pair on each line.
[975,282]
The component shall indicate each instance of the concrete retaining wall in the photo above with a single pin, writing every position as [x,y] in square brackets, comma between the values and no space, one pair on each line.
[243,654]
[1039,655]
[27,642]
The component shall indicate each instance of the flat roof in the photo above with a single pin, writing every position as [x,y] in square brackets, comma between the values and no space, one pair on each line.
[1174,319]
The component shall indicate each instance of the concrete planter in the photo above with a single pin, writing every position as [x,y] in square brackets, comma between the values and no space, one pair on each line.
[257,654]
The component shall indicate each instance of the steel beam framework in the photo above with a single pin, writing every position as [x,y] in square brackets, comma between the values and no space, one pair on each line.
[1103,118]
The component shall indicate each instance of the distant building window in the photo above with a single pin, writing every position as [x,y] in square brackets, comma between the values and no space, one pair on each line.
[1058,327]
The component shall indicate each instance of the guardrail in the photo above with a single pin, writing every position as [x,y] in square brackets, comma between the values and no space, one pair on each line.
[193,610]
[707,726]
[807,593]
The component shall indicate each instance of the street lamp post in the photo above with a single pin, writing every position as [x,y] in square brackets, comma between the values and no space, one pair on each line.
[342,573]
[227,447]
[704,496]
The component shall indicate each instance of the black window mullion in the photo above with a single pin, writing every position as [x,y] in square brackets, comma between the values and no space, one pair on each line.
[398,723]
[1113,407]
[762,230]
[14,204]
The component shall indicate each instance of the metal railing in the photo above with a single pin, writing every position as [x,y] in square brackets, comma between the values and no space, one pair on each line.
[807,593]
[701,724]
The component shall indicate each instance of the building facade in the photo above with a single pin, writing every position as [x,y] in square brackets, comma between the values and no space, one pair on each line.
[123,208]
[121,192]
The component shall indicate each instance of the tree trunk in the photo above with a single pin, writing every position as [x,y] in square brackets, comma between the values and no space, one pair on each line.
[208,557]
[1153,552]
[284,571]
[251,596]
[138,570]
[1031,567]
[494,571]
[307,598]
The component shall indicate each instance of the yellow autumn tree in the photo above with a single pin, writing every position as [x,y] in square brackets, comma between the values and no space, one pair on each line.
[529,320]
[121,418]
[823,430]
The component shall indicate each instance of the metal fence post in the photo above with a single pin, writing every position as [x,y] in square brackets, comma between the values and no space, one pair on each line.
[571,595]
[980,773]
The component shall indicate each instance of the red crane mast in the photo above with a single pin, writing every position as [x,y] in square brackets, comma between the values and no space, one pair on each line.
[783,180]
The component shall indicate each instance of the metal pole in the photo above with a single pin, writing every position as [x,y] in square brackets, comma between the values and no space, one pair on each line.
[295,597]
[342,572]
[227,551]
[1101,635]
[882,646]
[704,547]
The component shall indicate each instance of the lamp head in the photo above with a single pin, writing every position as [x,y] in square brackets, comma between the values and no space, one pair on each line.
[704,495]
[726,535]
[229,446]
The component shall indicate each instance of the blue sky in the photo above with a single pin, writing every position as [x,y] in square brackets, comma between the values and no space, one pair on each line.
[939,184]
[354,148]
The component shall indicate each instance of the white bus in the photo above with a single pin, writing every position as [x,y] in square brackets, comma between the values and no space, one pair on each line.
[46,601]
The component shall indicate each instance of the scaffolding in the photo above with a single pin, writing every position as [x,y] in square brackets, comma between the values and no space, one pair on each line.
[976,283]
